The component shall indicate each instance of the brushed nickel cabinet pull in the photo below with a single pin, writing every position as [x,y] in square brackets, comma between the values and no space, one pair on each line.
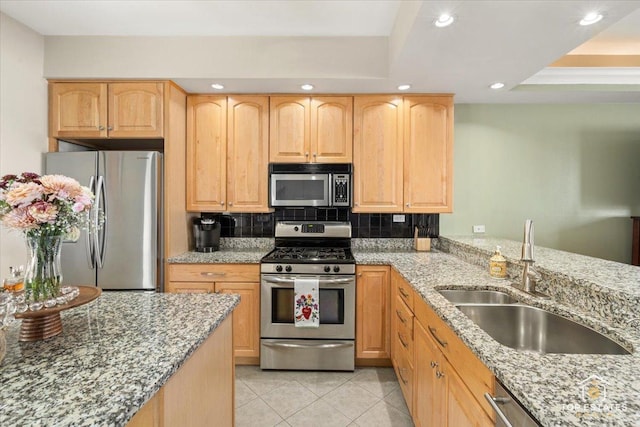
[211,273]
[432,330]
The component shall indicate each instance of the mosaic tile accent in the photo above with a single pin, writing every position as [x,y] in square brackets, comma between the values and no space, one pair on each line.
[113,355]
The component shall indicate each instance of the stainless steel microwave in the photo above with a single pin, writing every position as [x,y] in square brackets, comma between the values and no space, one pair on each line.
[310,184]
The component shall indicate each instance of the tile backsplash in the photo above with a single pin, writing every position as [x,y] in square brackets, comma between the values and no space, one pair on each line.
[362,225]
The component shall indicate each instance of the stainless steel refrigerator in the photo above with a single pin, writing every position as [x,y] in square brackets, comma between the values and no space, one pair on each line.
[125,253]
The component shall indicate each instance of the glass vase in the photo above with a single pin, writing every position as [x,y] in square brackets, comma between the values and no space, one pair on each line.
[43,276]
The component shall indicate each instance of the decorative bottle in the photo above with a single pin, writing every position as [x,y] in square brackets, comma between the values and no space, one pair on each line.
[498,265]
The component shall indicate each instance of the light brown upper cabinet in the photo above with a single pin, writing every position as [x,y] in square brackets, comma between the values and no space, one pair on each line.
[106,110]
[428,154]
[311,130]
[377,153]
[403,154]
[227,149]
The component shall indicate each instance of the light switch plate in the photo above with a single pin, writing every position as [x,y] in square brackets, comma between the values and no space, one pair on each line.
[398,218]
[478,228]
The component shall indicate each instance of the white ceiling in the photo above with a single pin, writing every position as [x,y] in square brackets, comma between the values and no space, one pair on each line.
[513,41]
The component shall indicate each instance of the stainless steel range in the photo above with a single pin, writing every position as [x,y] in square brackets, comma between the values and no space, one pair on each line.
[318,251]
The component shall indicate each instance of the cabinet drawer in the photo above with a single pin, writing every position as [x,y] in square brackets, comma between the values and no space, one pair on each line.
[406,292]
[214,272]
[477,376]
[404,330]
[404,372]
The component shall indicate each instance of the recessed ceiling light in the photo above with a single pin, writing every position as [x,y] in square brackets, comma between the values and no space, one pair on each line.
[591,18]
[444,20]
[306,87]
[217,86]
[404,87]
[497,85]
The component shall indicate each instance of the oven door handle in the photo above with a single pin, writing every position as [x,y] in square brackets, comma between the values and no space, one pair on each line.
[321,282]
[296,345]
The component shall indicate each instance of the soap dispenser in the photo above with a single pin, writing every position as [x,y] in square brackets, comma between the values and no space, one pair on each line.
[498,265]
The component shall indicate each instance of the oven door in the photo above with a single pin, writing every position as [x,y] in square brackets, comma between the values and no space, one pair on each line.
[336,300]
[296,190]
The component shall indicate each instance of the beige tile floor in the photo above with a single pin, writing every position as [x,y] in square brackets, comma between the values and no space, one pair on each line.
[367,397]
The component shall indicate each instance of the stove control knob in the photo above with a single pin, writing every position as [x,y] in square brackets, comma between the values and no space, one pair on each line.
[296,228]
[336,269]
[327,269]
[288,269]
[278,268]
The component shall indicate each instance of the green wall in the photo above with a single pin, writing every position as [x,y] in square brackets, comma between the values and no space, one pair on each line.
[573,169]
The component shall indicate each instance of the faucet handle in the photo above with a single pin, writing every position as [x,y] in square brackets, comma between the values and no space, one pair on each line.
[527,241]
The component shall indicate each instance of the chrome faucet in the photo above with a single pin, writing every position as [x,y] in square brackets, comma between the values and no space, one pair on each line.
[529,276]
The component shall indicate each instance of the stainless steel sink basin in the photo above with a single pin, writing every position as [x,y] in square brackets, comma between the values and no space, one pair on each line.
[477,296]
[524,327]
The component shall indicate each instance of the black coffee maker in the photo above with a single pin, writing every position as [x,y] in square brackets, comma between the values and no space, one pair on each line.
[206,233]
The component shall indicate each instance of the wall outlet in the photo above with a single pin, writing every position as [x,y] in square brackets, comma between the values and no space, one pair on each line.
[478,228]
[398,218]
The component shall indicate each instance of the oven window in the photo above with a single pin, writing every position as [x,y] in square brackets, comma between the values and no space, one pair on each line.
[300,189]
[331,306]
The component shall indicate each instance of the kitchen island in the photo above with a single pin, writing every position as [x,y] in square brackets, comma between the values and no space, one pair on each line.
[115,355]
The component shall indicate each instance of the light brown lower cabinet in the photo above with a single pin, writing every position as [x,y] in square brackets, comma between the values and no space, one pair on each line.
[243,279]
[373,346]
[431,362]
[201,391]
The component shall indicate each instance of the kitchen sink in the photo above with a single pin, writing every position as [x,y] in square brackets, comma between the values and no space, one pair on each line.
[523,327]
[477,296]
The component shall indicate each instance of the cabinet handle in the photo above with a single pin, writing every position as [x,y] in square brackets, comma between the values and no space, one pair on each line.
[404,322]
[433,363]
[100,127]
[109,127]
[432,330]
[315,155]
[439,374]
[222,203]
[408,205]
[403,292]
[357,204]
[404,344]
[494,402]
[230,204]
[211,273]
[400,371]
[306,154]
[359,274]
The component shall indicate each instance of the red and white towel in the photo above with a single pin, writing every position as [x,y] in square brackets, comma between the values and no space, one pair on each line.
[306,307]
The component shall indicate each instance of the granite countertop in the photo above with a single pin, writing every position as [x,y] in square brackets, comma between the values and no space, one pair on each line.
[548,385]
[113,355]
[602,294]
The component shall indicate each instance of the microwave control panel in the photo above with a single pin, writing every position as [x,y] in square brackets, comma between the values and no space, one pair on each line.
[341,190]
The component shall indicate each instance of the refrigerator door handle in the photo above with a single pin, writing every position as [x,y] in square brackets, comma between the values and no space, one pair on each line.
[89,241]
[100,229]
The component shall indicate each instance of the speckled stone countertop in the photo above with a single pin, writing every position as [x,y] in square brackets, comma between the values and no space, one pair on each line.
[601,294]
[113,355]
[550,386]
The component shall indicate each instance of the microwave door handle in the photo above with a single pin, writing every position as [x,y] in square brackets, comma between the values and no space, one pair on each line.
[330,191]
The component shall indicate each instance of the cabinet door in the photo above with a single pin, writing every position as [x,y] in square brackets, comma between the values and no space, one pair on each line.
[190,287]
[248,154]
[136,110]
[427,394]
[246,317]
[78,110]
[372,312]
[206,153]
[332,129]
[428,153]
[377,154]
[289,132]
[462,410]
